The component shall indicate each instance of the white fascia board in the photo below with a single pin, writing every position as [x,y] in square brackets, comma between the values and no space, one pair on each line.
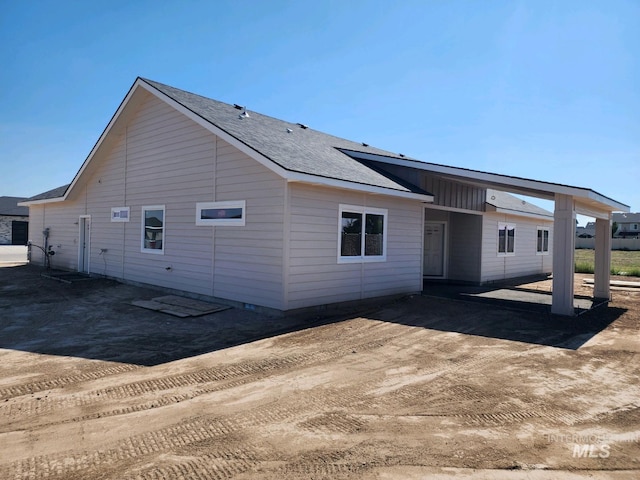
[288,175]
[498,179]
[104,135]
[257,156]
[40,202]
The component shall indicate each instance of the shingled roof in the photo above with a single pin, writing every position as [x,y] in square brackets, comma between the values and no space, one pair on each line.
[293,146]
[505,201]
[9,207]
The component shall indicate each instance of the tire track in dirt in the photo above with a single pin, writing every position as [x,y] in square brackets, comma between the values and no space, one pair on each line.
[49,384]
[170,438]
[246,372]
[223,464]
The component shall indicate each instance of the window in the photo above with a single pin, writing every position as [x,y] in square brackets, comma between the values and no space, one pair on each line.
[506,239]
[120,214]
[153,229]
[634,227]
[220,213]
[542,245]
[362,234]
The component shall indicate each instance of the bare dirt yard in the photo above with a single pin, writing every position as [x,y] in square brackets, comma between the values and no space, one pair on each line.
[92,387]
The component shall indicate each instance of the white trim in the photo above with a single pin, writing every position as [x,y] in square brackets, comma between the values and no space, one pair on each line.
[543,229]
[154,251]
[82,219]
[494,180]
[454,209]
[506,226]
[518,213]
[362,258]
[119,217]
[242,204]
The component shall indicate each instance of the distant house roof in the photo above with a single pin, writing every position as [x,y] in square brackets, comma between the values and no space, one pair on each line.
[509,203]
[9,207]
[626,217]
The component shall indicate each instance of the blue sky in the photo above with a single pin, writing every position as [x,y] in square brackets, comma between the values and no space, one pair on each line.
[548,90]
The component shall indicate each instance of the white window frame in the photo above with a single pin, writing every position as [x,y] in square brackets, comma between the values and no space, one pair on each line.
[543,229]
[362,258]
[154,251]
[118,211]
[221,221]
[506,227]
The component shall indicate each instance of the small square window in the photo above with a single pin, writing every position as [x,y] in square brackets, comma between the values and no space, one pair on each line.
[220,213]
[153,224]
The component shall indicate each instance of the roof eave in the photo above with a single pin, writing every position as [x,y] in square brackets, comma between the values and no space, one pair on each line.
[496,180]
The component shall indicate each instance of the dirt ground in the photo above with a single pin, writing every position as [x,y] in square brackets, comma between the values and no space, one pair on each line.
[92,387]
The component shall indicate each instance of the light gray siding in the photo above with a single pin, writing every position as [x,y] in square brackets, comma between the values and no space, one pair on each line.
[314,275]
[163,158]
[525,261]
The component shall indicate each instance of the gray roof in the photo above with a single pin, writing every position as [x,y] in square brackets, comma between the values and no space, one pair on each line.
[9,207]
[506,201]
[626,217]
[287,144]
[55,193]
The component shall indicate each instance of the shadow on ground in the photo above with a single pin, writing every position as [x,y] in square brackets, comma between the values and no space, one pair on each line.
[505,312]
[94,319]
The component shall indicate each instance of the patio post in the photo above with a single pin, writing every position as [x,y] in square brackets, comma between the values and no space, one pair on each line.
[564,232]
[602,270]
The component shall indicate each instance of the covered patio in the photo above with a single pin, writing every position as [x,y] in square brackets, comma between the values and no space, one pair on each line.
[568,202]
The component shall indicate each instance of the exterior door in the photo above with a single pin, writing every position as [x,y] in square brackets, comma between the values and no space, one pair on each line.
[84,244]
[434,249]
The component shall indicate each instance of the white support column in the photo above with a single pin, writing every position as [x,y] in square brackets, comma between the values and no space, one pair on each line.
[602,271]
[564,232]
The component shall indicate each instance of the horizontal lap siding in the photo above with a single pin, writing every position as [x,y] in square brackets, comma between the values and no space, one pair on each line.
[62,220]
[525,261]
[249,258]
[316,278]
[170,162]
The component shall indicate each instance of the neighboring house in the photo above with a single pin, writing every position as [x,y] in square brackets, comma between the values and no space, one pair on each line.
[628,225]
[14,221]
[189,193]
[588,231]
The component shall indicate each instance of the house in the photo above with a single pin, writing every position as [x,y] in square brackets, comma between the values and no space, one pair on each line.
[628,225]
[588,231]
[188,193]
[14,221]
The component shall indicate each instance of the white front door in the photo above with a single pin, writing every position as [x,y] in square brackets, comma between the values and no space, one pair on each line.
[84,244]
[434,251]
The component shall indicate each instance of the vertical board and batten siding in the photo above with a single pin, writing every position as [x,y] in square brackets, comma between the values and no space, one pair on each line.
[525,261]
[446,193]
[314,275]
